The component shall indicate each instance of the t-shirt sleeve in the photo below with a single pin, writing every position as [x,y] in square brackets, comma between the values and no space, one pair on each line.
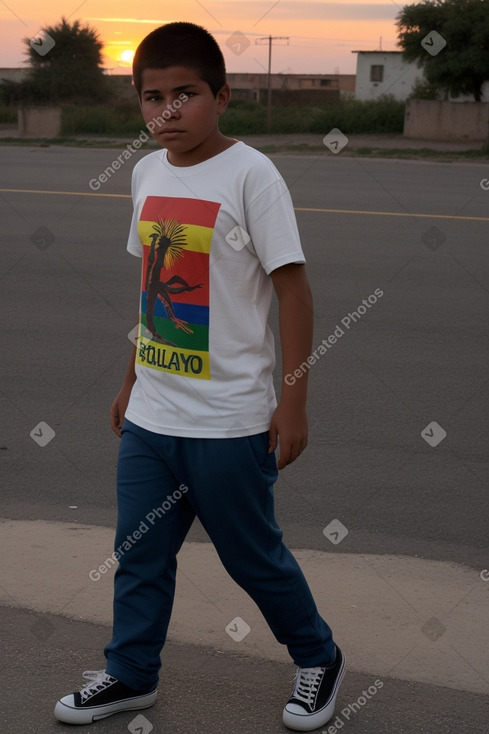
[134,245]
[272,226]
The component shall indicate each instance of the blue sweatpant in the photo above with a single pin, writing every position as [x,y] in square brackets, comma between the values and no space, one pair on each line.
[163,482]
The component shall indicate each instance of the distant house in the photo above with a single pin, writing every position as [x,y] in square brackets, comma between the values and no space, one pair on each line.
[301,88]
[341,82]
[385,72]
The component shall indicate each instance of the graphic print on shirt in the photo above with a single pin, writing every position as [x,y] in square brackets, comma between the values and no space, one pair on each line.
[176,234]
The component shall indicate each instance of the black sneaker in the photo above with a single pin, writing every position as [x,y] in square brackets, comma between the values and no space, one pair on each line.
[313,699]
[102,697]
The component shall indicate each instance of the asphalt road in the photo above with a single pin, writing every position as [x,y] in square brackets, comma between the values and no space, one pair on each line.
[414,362]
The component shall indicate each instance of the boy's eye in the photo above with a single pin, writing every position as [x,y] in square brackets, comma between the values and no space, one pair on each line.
[159,98]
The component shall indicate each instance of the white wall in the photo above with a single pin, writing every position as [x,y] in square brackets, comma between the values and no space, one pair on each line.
[399,75]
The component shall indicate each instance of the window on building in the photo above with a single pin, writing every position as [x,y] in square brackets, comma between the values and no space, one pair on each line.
[377,73]
[325,82]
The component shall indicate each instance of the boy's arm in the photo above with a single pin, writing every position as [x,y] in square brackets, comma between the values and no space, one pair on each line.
[118,408]
[289,422]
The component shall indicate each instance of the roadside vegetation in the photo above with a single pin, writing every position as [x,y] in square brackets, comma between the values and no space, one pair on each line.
[385,115]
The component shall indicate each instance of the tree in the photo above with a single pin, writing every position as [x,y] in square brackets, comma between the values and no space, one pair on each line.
[70,70]
[462,66]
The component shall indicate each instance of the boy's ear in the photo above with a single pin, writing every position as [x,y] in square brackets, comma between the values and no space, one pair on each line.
[223,96]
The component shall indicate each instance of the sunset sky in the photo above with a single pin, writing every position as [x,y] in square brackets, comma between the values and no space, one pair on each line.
[322,34]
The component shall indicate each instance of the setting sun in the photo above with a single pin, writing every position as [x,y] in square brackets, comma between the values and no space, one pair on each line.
[127,56]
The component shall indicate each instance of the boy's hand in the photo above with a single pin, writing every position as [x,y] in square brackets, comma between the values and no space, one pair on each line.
[118,410]
[119,406]
[289,423]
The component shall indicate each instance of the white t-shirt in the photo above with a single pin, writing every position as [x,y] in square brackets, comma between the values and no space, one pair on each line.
[209,235]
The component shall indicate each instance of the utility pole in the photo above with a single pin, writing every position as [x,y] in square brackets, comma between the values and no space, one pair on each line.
[259,42]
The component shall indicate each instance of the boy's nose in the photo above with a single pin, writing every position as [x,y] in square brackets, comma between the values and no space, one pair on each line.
[174,112]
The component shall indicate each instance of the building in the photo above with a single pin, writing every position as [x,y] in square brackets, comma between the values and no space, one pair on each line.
[291,89]
[385,72]
[294,82]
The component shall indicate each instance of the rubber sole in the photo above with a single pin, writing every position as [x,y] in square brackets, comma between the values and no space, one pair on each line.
[69,714]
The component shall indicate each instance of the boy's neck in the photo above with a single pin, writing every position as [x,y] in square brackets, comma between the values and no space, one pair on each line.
[208,149]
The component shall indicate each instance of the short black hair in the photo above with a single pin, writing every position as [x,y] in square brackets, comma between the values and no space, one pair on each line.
[181,44]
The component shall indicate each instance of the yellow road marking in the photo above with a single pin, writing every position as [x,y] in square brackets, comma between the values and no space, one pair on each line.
[63,193]
[392,214]
[297,208]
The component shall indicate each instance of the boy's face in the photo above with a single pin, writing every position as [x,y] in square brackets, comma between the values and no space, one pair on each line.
[187,127]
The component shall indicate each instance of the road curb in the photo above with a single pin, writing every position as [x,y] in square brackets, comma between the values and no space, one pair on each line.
[407,618]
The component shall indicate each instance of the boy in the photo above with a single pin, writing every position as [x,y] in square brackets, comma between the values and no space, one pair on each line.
[197,414]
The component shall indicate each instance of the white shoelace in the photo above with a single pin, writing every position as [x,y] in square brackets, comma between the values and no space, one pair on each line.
[99,680]
[307,682]
[92,674]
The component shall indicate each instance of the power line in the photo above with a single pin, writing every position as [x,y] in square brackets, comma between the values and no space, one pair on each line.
[270,40]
